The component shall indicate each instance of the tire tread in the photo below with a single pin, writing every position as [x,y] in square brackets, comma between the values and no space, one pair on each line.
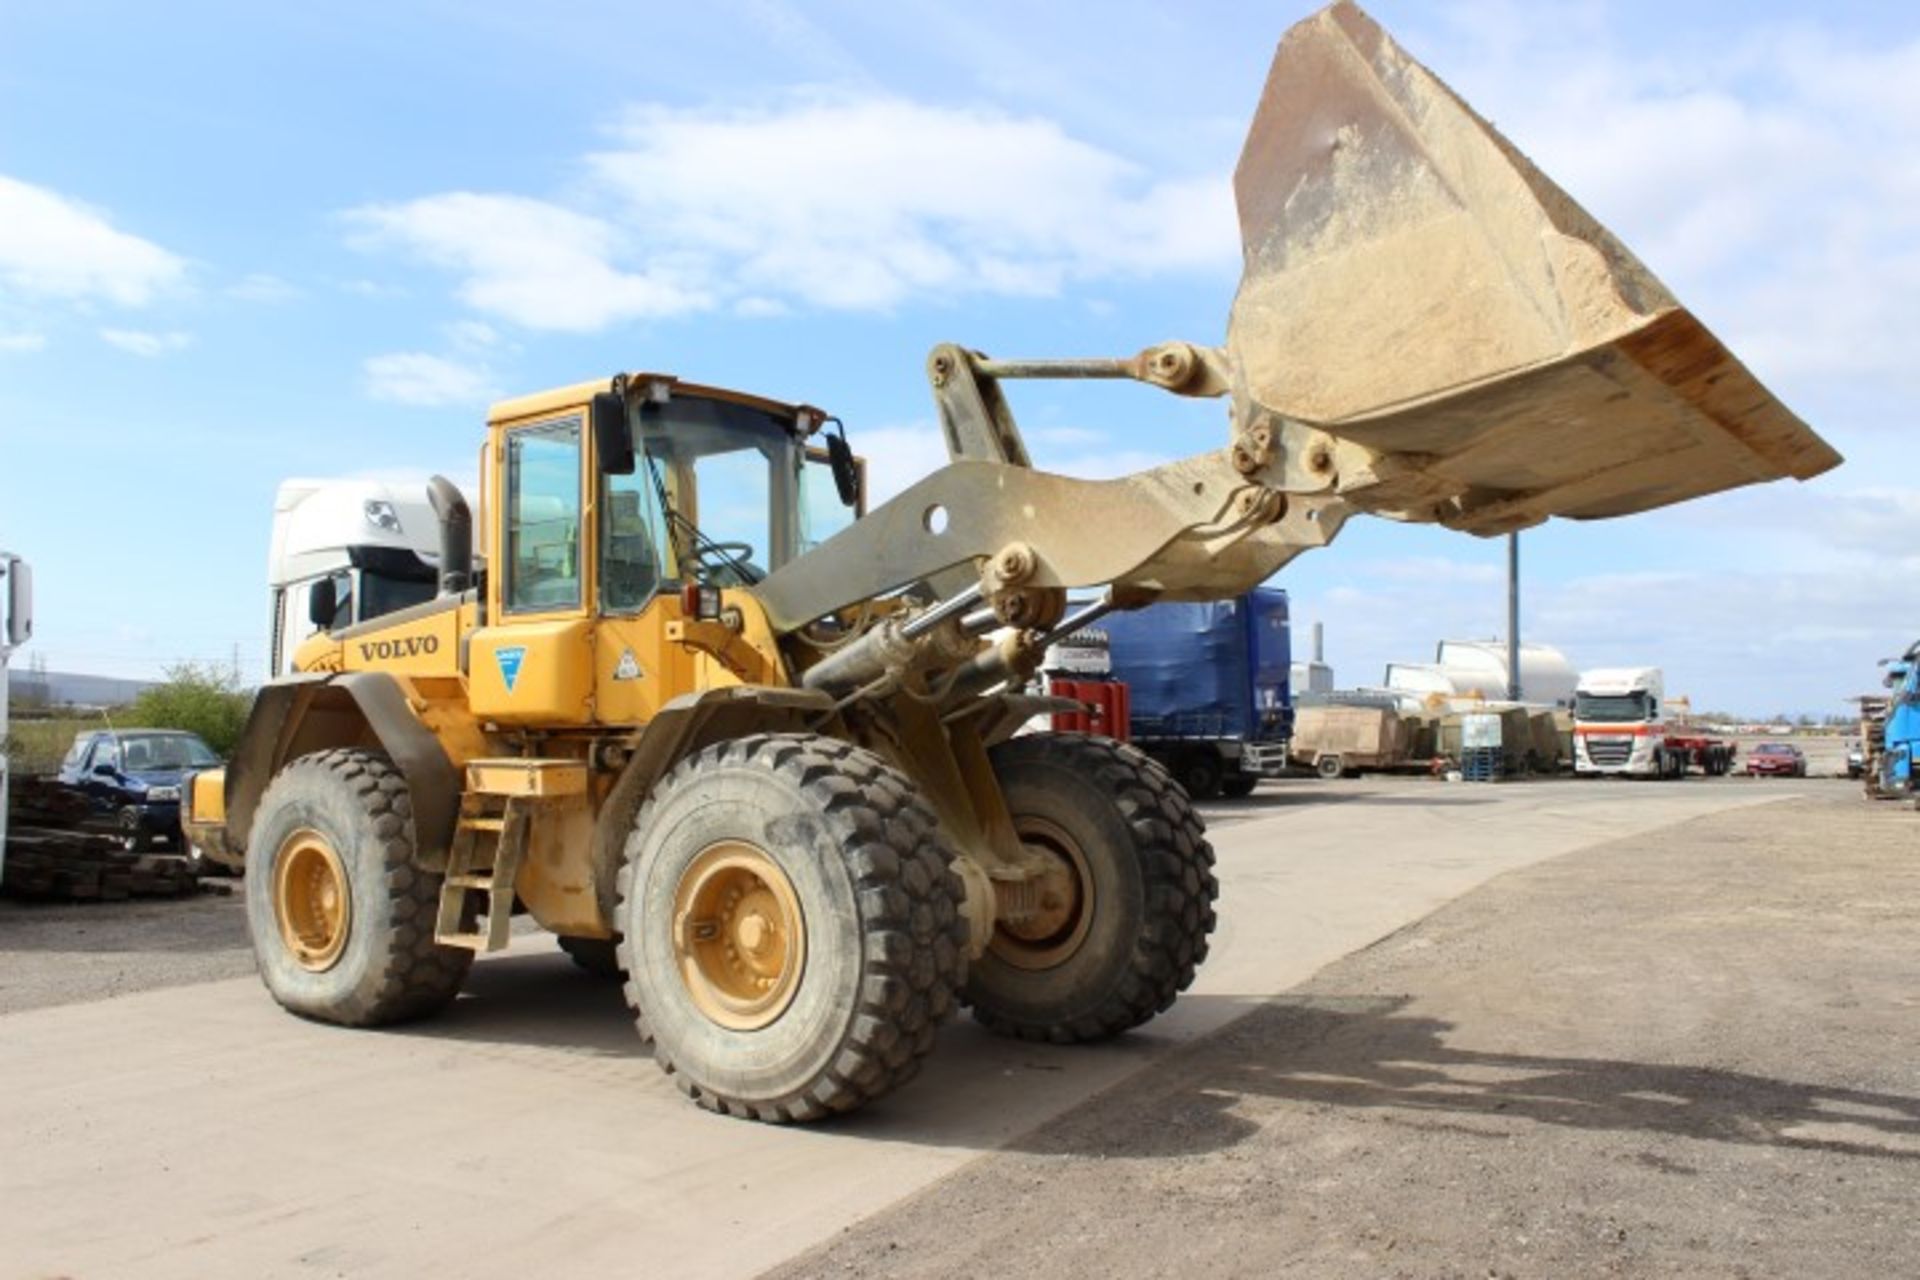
[910,902]
[1176,865]
[417,975]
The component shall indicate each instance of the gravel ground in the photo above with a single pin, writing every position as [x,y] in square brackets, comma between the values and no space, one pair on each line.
[1694,1054]
[69,953]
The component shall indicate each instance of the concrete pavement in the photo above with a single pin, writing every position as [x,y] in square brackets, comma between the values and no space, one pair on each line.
[198,1131]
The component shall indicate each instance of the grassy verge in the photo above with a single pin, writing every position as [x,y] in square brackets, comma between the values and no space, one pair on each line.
[36,746]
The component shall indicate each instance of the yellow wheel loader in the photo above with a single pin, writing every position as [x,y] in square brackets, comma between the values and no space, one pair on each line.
[769,776]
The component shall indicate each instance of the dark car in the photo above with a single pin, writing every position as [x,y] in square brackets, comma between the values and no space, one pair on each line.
[132,777]
[1776,759]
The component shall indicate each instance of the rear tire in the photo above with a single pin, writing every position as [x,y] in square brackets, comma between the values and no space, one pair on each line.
[1328,767]
[342,919]
[1122,958]
[790,927]
[598,956]
[1201,774]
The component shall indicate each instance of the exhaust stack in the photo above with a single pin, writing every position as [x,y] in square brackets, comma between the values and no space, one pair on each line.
[456,535]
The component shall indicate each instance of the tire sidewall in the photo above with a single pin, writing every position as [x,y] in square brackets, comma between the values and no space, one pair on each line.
[1081,984]
[738,801]
[308,795]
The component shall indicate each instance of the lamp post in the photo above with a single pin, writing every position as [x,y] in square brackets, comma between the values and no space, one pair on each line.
[1513,616]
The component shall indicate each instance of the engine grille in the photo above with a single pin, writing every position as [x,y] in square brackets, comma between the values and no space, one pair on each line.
[1609,752]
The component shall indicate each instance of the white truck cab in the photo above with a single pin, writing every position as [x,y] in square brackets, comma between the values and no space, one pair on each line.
[16,628]
[373,543]
[1619,722]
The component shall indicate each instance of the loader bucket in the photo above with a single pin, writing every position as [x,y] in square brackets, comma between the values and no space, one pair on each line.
[1413,284]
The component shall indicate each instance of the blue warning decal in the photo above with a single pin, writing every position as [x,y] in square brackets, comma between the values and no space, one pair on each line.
[509,659]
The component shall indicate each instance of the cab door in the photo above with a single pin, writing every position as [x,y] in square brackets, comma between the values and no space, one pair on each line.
[636,669]
[533,663]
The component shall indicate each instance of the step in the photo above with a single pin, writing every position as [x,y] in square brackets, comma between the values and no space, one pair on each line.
[534,778]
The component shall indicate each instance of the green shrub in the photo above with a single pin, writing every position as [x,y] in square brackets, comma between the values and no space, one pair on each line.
[203,700]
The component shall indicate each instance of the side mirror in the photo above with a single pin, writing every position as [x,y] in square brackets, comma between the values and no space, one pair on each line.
[846,471]
[19,600]
[612,433]
[322,603]
[104,770]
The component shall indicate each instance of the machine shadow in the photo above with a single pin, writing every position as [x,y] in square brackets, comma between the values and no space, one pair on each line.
[539,1001]
[1366,1054]
[1286,795]
[1263,802]
[1357,1053]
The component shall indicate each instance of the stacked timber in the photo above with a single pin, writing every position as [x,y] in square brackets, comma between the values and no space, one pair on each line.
[51,855]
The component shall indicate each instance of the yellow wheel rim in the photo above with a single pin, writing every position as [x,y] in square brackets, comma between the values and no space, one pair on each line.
[1052,929]
[310,900]
[738,935]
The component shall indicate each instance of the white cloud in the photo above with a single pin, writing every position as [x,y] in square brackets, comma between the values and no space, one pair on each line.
[473,335]
[840,203]
[1782,601]
[754,307]
[55,248]
[426,381]
[371,289]
[898,456]
[527,261]
[262,287]
[140,342]
[863,202]
[1716,632]
[23,341]
[1771,180]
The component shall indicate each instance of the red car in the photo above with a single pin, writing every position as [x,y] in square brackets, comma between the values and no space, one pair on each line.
[1778,759]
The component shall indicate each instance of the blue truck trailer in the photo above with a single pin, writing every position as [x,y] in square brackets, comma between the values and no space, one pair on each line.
[1899,762]
[1209,687]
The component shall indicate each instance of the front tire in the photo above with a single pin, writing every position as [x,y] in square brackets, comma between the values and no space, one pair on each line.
[1135,927]
[1239,786]
[790,926]
[342,919]
[133,831]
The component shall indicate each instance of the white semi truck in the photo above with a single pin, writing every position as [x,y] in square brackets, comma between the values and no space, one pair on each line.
[1622,725]
[345,551]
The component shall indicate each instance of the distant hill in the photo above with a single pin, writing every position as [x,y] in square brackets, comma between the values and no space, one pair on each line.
[66,688]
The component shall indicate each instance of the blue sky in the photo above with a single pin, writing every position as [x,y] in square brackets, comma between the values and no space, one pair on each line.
[244,242]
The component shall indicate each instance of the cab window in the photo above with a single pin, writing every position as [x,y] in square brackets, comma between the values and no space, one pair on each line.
[736,507]
[543,518]
[822,514]
[631,534]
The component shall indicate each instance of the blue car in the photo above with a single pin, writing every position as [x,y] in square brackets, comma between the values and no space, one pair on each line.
[131,779]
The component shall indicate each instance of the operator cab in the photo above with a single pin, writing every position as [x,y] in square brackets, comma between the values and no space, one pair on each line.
[661,485]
